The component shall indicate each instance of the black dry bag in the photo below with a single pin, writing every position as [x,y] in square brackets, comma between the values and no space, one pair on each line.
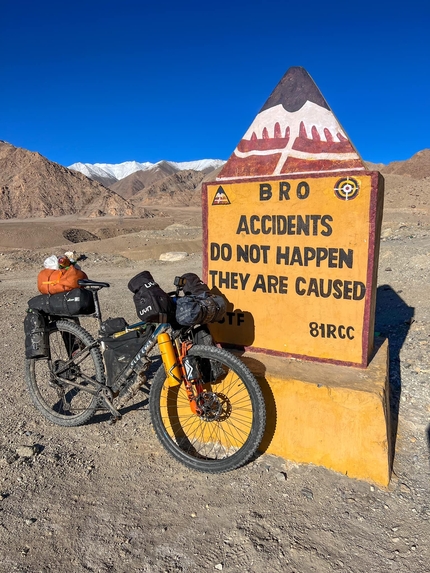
[36,335]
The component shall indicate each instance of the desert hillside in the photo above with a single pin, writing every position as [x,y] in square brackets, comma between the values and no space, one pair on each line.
[135,182]
[32,186]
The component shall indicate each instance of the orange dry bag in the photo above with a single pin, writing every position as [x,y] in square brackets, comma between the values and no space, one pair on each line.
[60,280]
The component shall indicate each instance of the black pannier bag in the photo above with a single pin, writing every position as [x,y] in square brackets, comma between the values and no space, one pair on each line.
[36,335]
[200,309]
[212,370]
[70,303]
[119,351]
[152,303]
[112,326]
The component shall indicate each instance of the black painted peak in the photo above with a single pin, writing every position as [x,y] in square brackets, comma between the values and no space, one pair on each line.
[294,90]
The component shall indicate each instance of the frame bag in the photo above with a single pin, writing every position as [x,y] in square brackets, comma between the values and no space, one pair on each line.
[120,351]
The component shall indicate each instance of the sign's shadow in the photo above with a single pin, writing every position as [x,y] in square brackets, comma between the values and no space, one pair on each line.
[393,319]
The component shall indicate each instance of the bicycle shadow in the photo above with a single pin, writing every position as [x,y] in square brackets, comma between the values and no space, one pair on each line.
[237,325]
[393,319]
[106,416]
[259,370]
[428,440]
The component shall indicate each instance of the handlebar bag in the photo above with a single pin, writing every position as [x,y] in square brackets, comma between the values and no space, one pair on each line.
[194,284]
[200,309]
[71,303]
[51,281]
[152,303]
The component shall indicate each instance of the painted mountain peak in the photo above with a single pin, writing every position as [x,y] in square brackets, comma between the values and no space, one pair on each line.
[295,133]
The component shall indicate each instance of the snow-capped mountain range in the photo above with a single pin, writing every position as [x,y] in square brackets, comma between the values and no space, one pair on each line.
[121,170]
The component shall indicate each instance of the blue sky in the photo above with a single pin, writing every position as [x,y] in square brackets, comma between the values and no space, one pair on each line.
[104,81]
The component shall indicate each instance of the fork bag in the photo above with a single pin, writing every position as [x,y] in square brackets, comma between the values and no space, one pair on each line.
[36,335]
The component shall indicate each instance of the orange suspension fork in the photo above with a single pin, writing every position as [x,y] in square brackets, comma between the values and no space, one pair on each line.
[192,390]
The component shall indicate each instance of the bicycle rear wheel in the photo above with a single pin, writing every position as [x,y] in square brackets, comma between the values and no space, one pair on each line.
[63,387]
[228,431]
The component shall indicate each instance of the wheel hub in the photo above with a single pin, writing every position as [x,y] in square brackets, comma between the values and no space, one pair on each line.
[209,405]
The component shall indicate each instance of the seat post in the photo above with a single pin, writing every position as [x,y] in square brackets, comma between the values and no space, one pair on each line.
[97,310]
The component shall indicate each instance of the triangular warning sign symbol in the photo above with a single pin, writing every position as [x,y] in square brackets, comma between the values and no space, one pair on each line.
[220,197]
[295,133]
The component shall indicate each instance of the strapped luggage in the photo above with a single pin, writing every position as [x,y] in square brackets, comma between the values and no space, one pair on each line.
[198,306]
[200,309]
[71,303]
[36,335]
[152,303]
[53,281]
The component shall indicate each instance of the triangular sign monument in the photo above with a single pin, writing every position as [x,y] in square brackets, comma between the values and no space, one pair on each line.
[291,233]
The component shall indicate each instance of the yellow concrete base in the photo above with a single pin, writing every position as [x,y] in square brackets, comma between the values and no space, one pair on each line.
[328,415]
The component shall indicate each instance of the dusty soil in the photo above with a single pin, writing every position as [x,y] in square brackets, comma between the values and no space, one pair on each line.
[103,498]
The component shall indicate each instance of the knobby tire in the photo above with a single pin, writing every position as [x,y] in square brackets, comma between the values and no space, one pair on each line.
[231,430]
[59,401]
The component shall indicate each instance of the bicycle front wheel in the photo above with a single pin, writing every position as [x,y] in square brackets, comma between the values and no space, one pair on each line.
[229,428]
[63,388]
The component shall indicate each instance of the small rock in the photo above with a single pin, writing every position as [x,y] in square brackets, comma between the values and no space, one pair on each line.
[30,521]
[388,269]
[306,492]
[218,566]
[193,515]
[173,256]
[405,488]
[281,476]
[25,451]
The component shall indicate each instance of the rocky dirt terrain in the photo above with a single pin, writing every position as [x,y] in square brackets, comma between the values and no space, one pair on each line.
[103,498]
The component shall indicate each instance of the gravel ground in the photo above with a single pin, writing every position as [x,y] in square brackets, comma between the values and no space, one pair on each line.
[102,498]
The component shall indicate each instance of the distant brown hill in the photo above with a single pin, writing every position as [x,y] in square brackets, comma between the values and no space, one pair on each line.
[135,182]
[181,188]
[33,186]
[418,166]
